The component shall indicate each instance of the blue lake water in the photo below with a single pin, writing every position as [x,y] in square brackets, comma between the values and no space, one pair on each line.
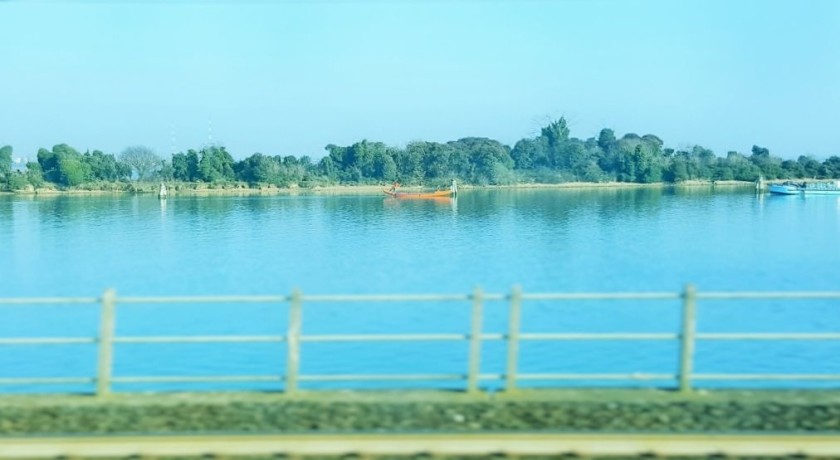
[542,239]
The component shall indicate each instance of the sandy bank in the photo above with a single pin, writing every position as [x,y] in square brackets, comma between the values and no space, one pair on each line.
[241,190]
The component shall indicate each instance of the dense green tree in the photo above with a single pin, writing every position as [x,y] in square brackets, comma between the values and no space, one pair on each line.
[677,171]
[741,167]
[792,168]
[384,166]
[574,157]
[180,170]
[557,132]
[259,168]
[16,180]
[105,167]
[185,166]
[410,162]
[48,162]
[436,161]
[831,168]
[527,154]
[608,154]
[73,171]
[770,167]
[34,174]
[216,165]
[328,168]
[810,166]
[5,160]
[480,160]
[702,161]
[552,156]
[63,165]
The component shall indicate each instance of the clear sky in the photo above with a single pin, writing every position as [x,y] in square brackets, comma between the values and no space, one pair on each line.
[289,77]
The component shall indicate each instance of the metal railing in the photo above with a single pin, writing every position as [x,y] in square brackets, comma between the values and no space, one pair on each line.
[294,338]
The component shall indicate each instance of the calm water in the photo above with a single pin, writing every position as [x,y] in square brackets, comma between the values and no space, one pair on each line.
[545,240]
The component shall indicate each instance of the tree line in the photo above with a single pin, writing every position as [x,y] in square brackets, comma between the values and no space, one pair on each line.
[551,157]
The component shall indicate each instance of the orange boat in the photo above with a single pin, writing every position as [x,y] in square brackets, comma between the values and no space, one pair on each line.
[419,195]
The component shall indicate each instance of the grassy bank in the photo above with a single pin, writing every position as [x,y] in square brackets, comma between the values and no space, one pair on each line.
[565,410]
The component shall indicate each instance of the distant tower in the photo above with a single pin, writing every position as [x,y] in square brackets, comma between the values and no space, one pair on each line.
[210,131]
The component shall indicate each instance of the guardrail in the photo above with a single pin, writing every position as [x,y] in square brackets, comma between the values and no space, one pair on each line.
[687,337]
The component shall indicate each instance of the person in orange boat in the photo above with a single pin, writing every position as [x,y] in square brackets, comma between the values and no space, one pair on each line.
[394,186]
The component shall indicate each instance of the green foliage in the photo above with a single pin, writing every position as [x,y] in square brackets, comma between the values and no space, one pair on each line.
[258,168]
[34,174]
[831,168]
[105,167]
[328,168]
[436,161]
[216,165]
[16,181]
[526,154]
[552,156]
[48,160]
[185,166]
[279,171]
[63,165]
[810,166]
[557,132]
[73,171]
[5,161]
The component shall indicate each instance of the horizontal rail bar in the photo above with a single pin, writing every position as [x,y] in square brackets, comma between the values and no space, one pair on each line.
[46,340]
[631,376]
[201,339]
[815,377]
[437,444]
[420,337]
[599,336]
[379,377]
[416,377]
[199,379]
[206,299]
[425,297]
[44,380]
[382,337]
[602,296]
[388,298]
[769,336]
[769,295]
[48,300]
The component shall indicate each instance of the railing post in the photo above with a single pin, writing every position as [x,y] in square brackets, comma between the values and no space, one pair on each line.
[513,338]
[293,341]
[475,340]
[689,327]
[106,339]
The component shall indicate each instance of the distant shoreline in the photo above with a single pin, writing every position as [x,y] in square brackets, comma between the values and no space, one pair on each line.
[239,189]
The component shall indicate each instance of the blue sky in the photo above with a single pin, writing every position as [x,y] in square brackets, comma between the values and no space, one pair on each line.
[288,78]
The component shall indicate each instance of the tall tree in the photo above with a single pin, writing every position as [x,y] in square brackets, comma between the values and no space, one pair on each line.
[5,160]
[216,165]
[142,160]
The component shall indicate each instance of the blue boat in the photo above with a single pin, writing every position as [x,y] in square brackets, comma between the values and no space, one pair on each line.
[805,188]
